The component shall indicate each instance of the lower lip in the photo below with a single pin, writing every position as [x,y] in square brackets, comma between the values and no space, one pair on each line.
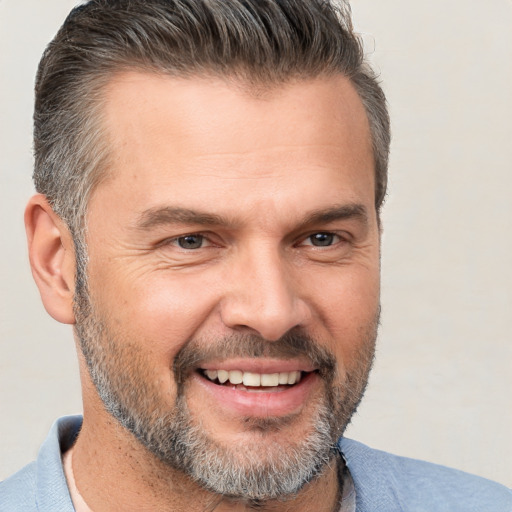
[260,403]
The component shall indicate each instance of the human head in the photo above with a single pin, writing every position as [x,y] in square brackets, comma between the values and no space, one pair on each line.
[266,59]
[258,43]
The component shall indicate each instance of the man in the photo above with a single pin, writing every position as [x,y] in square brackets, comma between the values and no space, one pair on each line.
[210,178]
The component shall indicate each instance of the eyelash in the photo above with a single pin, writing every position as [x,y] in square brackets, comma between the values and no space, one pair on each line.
[201,236]
[335,238]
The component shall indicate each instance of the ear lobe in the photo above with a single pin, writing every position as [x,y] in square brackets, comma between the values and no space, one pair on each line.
[52,258]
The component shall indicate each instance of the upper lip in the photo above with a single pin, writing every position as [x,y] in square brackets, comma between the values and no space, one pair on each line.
[259,365]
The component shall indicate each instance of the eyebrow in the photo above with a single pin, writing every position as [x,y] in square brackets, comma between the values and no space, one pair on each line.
[155,217]
[335,213]
[161,216]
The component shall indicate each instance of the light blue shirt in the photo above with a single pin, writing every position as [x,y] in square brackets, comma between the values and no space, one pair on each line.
[383,482]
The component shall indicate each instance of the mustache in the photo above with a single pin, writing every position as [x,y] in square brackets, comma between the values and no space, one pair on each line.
[294,344]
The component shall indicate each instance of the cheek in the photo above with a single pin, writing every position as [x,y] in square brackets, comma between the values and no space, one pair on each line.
[163,312]
[348,306]
[348,297]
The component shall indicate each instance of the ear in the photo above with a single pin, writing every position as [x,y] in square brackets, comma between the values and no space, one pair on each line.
[52,258]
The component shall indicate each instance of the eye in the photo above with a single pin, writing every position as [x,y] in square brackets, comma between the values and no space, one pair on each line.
[190,241]
[322,239]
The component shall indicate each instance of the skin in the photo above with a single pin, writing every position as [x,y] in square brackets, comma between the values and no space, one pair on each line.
[264,165]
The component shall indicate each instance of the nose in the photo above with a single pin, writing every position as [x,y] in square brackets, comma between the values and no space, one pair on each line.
[262,295]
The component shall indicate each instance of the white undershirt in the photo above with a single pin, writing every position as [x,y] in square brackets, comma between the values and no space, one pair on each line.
[77,499]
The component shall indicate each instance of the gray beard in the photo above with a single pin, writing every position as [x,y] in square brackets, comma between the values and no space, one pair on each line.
[266,470]
[251,473]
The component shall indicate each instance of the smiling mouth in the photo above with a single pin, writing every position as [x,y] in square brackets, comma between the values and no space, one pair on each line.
[250,381]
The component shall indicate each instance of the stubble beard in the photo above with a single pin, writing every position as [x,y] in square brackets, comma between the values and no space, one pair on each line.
[272,467]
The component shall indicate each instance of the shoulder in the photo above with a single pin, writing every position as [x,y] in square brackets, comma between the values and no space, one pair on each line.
[41,486]
[17,493]
[389,483]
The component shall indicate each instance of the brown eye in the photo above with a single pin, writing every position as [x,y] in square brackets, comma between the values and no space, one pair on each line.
[190,241]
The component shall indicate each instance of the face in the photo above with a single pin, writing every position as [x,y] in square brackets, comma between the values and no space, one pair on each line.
[233,276]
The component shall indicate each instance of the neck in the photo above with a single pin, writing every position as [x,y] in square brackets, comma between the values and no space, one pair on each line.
[113,471]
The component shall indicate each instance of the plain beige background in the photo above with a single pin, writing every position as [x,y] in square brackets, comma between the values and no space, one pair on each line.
[441,387]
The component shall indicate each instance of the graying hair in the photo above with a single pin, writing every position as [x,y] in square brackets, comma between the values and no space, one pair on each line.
[258,42]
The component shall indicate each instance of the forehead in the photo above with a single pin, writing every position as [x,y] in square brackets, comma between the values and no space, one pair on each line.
[210,134]
[199,106]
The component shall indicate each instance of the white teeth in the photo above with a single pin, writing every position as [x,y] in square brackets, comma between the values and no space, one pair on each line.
[254,379]
[211,374]
[236,377]
[292,377]
[223,376]
[283,378]
[271,379]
